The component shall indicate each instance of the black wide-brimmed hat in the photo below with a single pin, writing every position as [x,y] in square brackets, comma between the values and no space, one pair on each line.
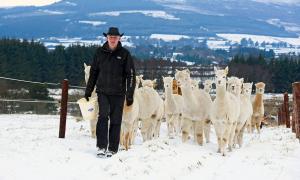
[113,31]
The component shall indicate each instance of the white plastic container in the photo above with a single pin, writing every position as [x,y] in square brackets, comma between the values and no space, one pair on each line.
[89,109]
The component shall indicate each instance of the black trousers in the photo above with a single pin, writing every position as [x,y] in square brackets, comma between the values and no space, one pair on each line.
[110,108]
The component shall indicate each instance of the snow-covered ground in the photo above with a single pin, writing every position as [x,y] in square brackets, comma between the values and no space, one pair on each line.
[31,150]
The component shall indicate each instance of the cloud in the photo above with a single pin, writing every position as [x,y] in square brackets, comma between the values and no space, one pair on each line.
[13,3]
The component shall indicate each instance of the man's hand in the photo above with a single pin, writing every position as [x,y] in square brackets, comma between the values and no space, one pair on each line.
[129,101]
[86,96]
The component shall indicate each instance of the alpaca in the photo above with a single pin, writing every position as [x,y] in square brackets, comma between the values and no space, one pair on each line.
[245,111]
[196,107]
[207,122]
[258,107]
[129,121]
[149,108]
[246,92]
[173,107]
[223,114]
[208,85]
[93,122]
[207,88]
[234,86]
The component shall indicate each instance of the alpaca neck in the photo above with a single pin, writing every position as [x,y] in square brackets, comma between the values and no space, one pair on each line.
[168,94]
[258,97]
[187,92]
[220,92]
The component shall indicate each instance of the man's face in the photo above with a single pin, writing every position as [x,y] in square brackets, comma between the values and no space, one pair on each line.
[113,41]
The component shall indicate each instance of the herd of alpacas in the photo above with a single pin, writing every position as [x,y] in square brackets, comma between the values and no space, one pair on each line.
[192,112]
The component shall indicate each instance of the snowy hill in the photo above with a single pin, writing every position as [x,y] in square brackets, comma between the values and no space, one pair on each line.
[88,19]
[31,150]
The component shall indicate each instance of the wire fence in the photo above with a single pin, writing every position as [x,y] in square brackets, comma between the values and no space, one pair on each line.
[36,97]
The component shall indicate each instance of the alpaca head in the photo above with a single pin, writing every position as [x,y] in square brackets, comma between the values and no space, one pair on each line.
[86,72]
[208,85]
[168,82]
[195,83]
[149,83]
[234,85]
[260,88]
[247,88]
[221,77]
[183,78]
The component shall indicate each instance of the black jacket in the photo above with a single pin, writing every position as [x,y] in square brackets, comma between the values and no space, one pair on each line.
[112,72]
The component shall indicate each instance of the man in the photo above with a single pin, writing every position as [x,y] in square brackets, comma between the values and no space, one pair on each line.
[113,73]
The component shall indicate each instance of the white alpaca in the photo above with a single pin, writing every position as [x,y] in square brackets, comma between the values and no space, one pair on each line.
[246,92]
[258,106]
[149,108]
[245,111]
[93,122]
[130,120]
[196,107]
[208,85]
[223,114]
[173,107]
[234,86]
[207,88]
[207,122]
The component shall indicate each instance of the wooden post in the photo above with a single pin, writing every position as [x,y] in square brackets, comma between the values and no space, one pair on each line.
[63,108]
[283,117]
[286,108]
[296,115]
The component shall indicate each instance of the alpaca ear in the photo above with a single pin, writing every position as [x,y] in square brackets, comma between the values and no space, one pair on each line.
[242,80]
[226,70]
[215,68]
[84,65]
[176,70]
[154,81]
[187,70]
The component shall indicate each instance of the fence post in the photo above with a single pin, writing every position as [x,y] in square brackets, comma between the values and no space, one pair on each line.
[296,115]
[63,108]
[287,112]
[294,111]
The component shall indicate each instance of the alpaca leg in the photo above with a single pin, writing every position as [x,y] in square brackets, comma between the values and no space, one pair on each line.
[257,124]
[134,131]
[186,127]
[207,130]
[225,138]
[240,136]
[169,119]
[178,124]
[199,132]
[231,137]
[146,125]
[157,128]
[93,127]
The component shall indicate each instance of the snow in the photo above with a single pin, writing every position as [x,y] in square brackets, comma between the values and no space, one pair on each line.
[93,23]
[14,3]
[151,13]
[259,38]
[280,2]
[31,149]
[168,37]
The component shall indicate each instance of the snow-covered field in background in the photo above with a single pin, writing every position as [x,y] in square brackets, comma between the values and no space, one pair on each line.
[31,150]
[168,37]
[153,13]
[260,39]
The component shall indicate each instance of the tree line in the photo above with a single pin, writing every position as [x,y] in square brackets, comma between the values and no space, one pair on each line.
[30,60]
